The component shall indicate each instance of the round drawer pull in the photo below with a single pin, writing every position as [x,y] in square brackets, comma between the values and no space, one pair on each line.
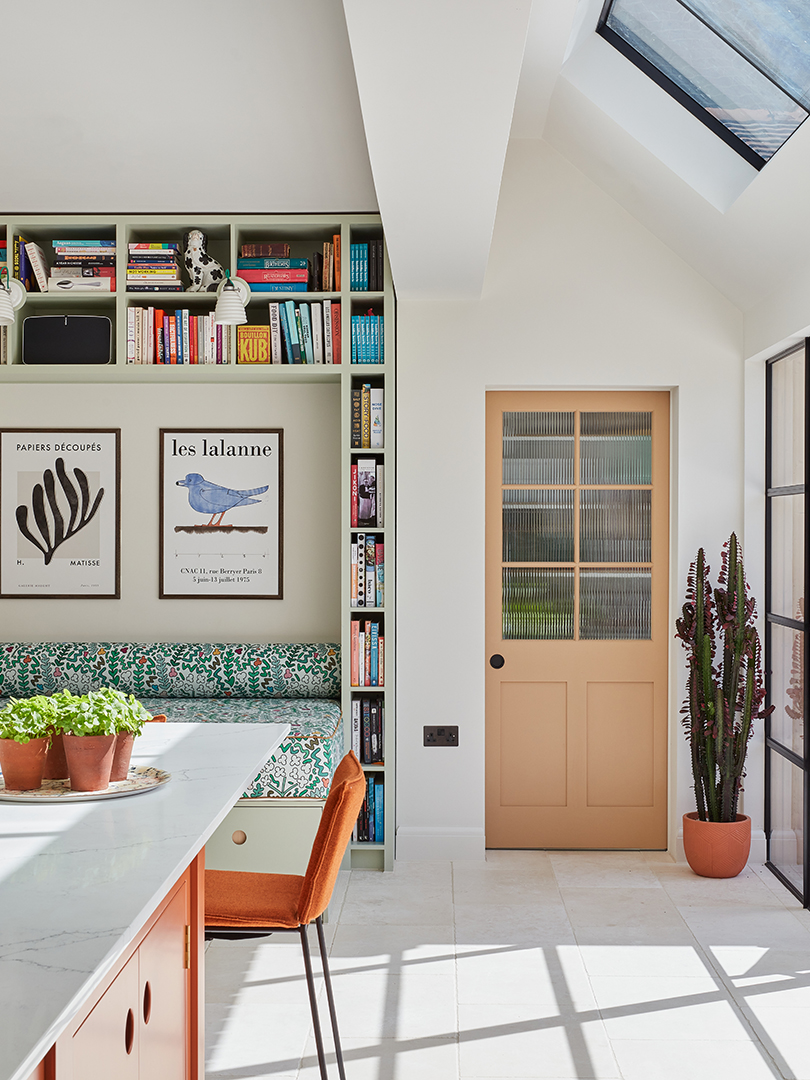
[239,837]
[129,1031]
[496,661]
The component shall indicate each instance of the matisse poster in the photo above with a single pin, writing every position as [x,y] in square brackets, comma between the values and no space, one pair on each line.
[221,514]
[60,513]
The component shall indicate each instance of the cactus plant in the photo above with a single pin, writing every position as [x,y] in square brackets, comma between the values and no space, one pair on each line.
[725,690]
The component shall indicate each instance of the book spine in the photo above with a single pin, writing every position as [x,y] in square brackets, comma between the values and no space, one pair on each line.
[354,506]
[38,265]
[258,277]
[172,320]
[370,583]
[376,732]
[271,264]
[295,341]
[299,328]
[278,249]
[327,332]
[367,654]
[380,553]
[361,569]
[356,705]
[374,654]
[336,340]
[381,660]
[380,499]
[353,577]
[186,338]
[357,419]
[367,752]
[275,333]
[160,347]
[379,811]
[366,416]
[279,286]
[131,335]
[285,333]
[376,410]
[84,243]
[316,320]
[355,653]
[306,333]
[150,335]
[336,245]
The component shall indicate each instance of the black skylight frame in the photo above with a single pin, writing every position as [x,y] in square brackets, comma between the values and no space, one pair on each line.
[680,95]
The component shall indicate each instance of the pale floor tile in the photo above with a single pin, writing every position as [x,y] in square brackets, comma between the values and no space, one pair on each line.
[603,870]
[784,1032]
[386,1059]
[428,949]
[699,1060]
[513,924]
[667,1008]
[239,972]
[533,1040]
[380,1005]
[508,974]
[752,924]
[625,917]
[251,1037]
[641,960]
[687,889]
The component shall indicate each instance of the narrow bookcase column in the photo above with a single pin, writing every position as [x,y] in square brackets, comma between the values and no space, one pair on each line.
[226,233]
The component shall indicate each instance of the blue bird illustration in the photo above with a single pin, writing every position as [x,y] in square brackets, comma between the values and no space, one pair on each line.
[214,499]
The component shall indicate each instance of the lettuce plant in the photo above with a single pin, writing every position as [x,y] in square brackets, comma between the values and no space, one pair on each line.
[725,690]
[25,719]
[101,712]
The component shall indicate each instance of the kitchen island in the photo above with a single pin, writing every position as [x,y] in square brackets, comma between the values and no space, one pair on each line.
[96,898]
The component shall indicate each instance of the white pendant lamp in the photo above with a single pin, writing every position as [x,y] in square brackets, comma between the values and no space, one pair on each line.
[232,296]
[12,296]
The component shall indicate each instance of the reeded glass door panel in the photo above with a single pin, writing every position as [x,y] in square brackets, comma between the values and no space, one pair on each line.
[787,555]
[538,448]
[615,448]
[538,525]
[537,604]
[786,688]
[615,604]
[787,419]
[615,526]
[787,819]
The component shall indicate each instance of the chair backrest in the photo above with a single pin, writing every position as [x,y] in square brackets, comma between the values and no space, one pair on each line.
[337,821]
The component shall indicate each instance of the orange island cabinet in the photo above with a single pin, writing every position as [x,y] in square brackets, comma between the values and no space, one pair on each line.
[101,940]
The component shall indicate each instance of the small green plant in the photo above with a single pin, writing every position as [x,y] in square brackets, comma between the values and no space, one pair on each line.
[724,697]
[25,719]
[101,712]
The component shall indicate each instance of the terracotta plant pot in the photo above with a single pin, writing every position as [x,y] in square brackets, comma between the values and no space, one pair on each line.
[89,759]
[122,755]
[716,848]
[22,763]
[56,762]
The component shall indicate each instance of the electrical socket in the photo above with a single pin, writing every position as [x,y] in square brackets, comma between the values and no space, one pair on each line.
[441,736]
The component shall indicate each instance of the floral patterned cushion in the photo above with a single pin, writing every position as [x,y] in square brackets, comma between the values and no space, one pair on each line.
[304,763]
[172,670]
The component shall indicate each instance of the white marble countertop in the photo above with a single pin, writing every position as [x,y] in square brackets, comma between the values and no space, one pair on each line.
[78,881]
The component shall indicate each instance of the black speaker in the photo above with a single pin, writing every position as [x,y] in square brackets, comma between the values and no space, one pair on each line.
[67,339]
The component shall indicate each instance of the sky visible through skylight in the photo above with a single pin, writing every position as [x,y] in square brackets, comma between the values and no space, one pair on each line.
[745,62]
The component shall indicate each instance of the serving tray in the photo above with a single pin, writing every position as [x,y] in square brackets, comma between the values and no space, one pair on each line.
[140,778]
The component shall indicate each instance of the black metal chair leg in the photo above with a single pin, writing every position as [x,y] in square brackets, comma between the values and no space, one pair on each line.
[327,978]
[313,1001]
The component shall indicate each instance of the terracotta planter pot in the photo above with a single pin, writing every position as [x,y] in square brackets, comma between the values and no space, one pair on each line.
[716,848]
[22,763]
[122,755]
[55,761]
[89,759]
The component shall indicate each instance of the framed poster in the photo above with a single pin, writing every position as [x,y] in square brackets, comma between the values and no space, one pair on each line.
[221,514]
[60,507]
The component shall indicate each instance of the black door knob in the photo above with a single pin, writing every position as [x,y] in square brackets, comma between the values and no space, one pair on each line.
[496,660]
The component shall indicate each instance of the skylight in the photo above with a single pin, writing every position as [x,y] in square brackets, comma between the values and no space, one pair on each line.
[740,66]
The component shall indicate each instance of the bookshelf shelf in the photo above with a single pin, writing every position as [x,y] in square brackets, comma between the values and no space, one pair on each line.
[306,234]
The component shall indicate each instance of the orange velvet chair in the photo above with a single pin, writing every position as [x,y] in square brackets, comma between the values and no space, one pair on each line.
[239,904]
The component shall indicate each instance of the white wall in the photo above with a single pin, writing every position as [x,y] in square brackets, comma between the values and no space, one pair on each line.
[310,418]
[577,294]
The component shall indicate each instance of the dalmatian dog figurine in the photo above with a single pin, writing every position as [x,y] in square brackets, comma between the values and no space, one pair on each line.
[205,272]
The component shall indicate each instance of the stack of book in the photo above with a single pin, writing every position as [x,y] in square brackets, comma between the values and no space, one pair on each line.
[275,274]
[367,494]
[296,334]
[367,339]
[267,267]
[153,268]
[366,267]
[155,336]
[368,411]
[370,827]
[367,653]
[3,251]
[368,724]
[367,570]
[78,265]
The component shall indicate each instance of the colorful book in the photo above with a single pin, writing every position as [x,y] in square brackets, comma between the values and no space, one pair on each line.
[379,814]
[253,344]
[278,286]
[39,266]
[336,334]
[380,568]
[275,333]
[306,333]
[258,276]
[367,493]
[272,264]
[328,355]
[295,340]
[277,249]
[316,321]
[353,495]
[377,410]
[286,337]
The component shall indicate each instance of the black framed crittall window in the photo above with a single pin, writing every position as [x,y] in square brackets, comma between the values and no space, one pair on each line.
[741,68]
[786,557]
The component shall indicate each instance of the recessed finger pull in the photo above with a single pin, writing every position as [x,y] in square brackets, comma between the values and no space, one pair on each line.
[496,660]
[129,1031]
[147,1002]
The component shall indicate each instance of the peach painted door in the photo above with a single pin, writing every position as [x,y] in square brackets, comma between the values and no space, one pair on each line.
[577,621]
